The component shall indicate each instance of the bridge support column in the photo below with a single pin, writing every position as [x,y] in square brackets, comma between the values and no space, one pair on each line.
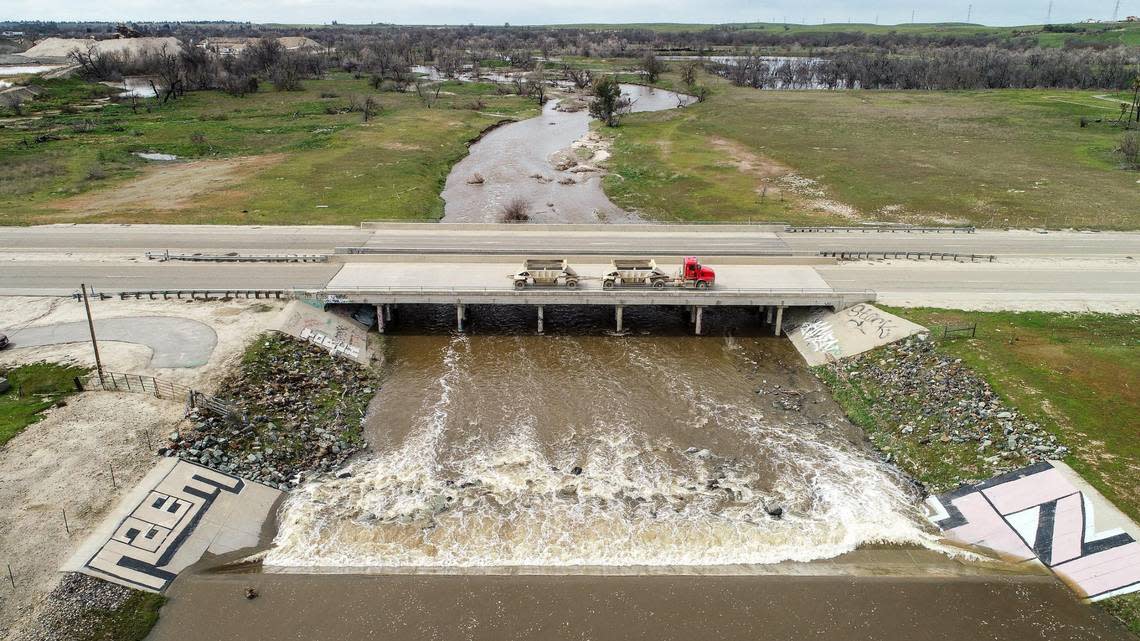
[698,316]
[768,311]
[779,320]
[540,318]
[692,314]
[388,312]
[380,309]
[460,315]
[617,316]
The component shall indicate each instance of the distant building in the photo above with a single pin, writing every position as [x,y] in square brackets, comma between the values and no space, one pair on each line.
[1132,19]
[12,34]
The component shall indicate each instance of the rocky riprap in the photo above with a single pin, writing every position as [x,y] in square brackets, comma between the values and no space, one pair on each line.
[74,609]
[301,410]
[921,398]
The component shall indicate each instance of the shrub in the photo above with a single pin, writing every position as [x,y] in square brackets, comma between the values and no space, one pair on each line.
[517,210]
[1129,148]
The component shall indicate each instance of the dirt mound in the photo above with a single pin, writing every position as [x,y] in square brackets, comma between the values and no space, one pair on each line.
[171,186]
[61,47]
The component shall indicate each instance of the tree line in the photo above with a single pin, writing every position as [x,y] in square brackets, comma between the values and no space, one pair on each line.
[940,69]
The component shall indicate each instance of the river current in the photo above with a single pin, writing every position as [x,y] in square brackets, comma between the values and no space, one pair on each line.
[580,448]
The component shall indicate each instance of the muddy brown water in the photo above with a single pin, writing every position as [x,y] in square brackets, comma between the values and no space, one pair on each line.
[578,448]
[579,451]
[515,161]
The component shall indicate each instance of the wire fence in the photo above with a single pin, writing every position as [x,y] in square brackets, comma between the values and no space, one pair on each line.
[139,384]
[960,331]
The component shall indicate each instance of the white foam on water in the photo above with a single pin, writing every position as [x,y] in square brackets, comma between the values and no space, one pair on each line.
[502,497]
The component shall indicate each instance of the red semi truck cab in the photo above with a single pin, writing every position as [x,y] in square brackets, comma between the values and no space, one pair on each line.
[693,272]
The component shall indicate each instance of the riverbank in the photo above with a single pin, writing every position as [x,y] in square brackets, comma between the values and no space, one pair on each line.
[1028,387]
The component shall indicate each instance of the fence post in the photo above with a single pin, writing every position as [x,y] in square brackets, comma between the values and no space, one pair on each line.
[11,577]
[78,384]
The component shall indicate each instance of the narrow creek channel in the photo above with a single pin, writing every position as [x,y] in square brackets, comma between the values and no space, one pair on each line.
[518,160]
[503,448]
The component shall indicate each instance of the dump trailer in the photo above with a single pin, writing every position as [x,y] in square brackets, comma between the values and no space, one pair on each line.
[642,272]
[546,273]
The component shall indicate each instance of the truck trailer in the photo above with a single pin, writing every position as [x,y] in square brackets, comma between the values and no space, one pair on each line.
[644,272]
[546,272]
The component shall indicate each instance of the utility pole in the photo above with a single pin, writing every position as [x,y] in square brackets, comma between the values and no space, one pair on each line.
[1116,10]
[969,13]
[91,326]
[1049,13]
[912,16]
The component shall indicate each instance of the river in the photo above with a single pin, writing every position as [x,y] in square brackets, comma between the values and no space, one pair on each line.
[585,449]
[520,160]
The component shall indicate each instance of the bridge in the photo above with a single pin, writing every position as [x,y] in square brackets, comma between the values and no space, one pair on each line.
[479,280]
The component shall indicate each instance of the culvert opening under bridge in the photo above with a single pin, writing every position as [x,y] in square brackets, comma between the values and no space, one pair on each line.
[495,319]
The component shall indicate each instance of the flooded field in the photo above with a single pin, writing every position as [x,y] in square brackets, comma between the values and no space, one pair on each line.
[521,160]
[583,449]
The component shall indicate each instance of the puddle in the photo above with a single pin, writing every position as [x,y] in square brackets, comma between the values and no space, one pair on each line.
[136,87]
[17,70]
[146,155]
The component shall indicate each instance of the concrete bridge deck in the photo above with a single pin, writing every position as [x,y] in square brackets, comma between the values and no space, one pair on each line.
[487,281]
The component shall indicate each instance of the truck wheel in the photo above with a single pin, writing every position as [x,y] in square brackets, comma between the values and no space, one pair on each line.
[658,284]
[607,284]
[519,284]
[572,284]
[702,284]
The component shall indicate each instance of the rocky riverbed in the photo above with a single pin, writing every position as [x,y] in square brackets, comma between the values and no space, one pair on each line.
[935,417]
[301,409]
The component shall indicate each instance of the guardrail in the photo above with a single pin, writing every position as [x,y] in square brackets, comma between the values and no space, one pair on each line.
[881,229]
[136,383]
[843,254]
[165,255]
[198,294]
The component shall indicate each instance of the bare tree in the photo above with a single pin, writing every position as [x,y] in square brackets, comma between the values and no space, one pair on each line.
[428,92]
[652,66]
[689,72]
[581,78]
[536,84]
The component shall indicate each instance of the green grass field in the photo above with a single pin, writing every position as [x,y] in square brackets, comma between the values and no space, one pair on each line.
[34,388]
[1077,375]
[332,168]
[991,158]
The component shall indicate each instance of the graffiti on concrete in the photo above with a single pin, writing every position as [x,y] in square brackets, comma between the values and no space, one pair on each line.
[1037,513]
[819,335]
[147,540]
[337,344]
[868,319]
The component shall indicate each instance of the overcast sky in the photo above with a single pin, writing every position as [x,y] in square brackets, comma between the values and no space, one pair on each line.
[1007,12]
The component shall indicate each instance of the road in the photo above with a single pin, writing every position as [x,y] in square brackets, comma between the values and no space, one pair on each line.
[1054,271]
[706,240]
